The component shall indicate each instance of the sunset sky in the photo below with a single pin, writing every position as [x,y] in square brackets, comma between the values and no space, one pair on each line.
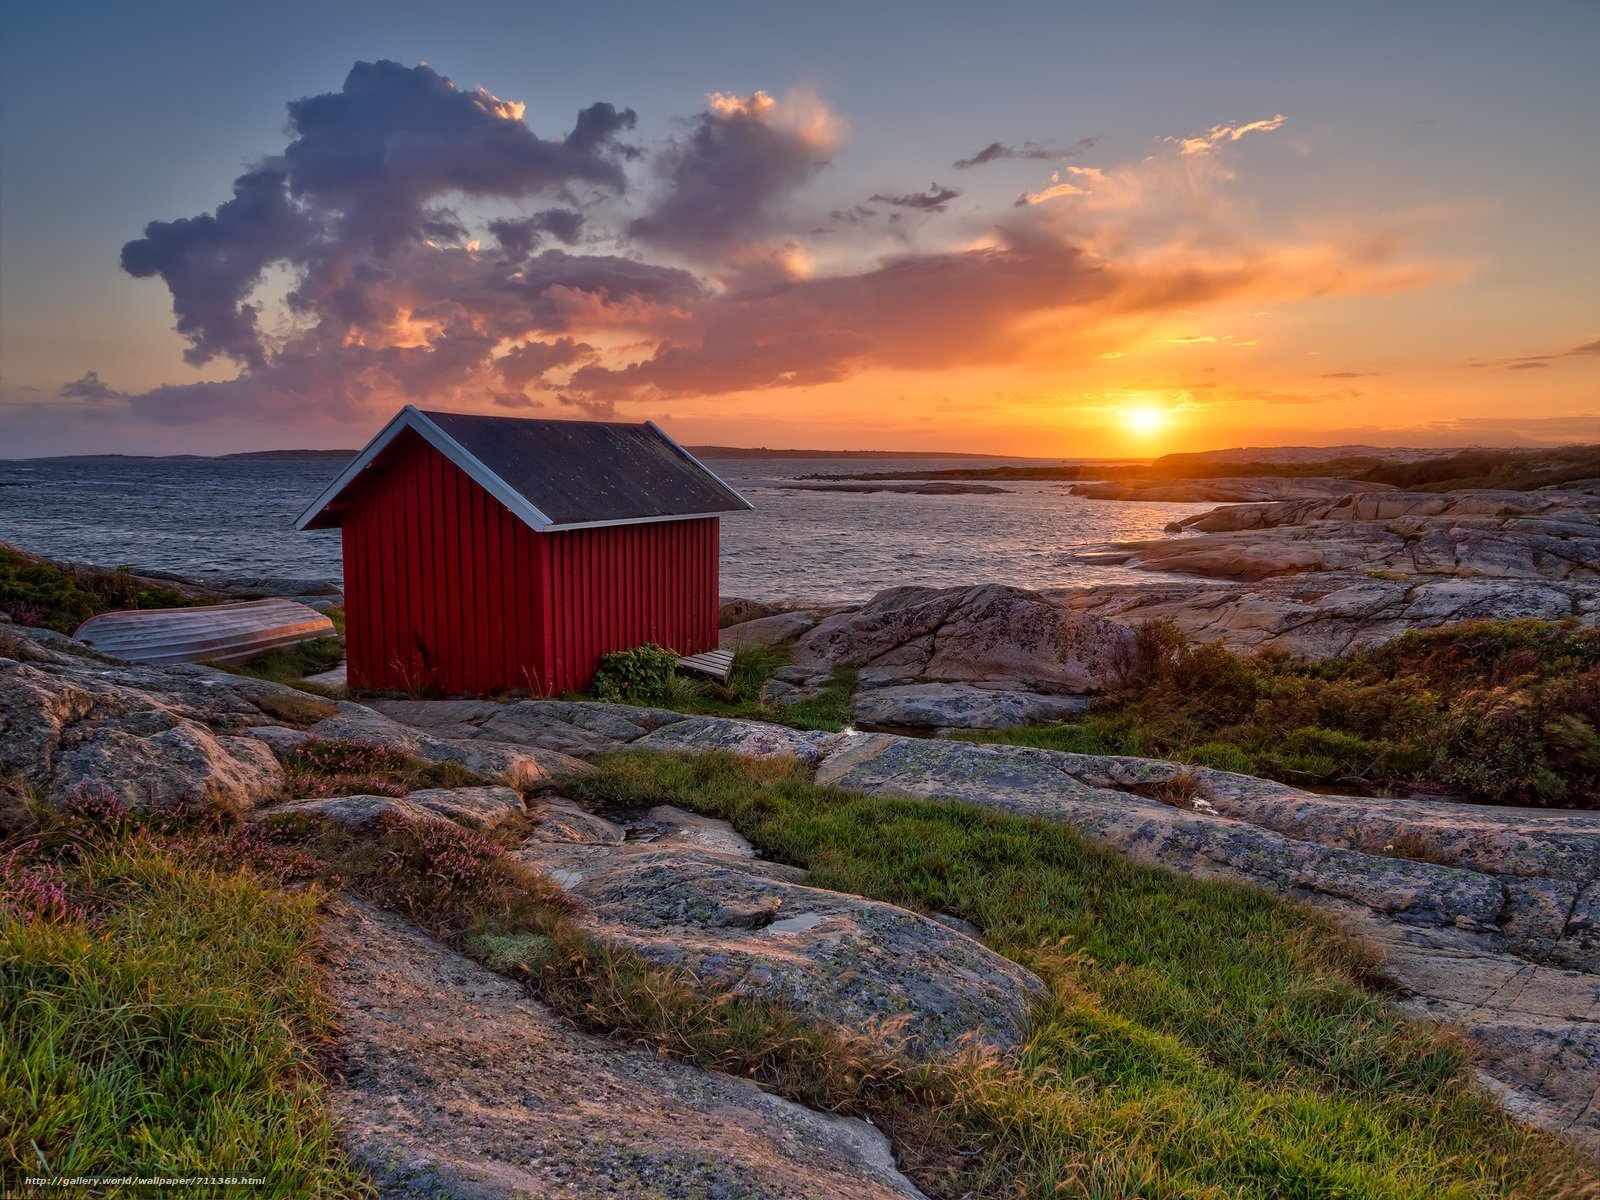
[1040,229]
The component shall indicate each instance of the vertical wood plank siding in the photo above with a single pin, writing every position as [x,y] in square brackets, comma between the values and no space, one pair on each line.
[447,592]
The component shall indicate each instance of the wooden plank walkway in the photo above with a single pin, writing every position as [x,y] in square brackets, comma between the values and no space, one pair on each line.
[716,663]
[224,633]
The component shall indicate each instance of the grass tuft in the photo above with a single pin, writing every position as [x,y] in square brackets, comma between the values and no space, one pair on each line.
[166,1022]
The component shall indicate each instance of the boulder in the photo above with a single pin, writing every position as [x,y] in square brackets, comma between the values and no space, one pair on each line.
[767,631]
[153,738]
[791,684]
[456,1083]
[1002,635]
[735,610]
[959,706]
[692,894]
[481,808]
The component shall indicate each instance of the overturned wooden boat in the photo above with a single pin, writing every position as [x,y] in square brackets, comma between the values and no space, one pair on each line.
[222,633]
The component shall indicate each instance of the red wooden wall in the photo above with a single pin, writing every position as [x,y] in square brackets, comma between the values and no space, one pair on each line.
[446,591]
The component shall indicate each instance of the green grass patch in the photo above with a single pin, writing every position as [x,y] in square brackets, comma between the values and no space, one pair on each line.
[159,1015]
[1497,711]
[658,684]
[291,664]
[1199,1039]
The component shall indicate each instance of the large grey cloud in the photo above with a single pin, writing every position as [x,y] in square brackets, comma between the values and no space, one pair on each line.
[358,183]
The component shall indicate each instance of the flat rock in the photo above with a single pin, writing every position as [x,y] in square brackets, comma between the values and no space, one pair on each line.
[577,728]
[1005,636]
[1328,614]
[959,706]
[357,810]
[516,765]
[1550,536]
[481,808]
[695,896]
[460,1085]
[1040,783]
[1535,1029]
[753,739]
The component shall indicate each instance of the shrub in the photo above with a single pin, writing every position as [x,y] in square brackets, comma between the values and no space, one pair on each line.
[346,766]
[35,591]
[1499,711]
[642,675]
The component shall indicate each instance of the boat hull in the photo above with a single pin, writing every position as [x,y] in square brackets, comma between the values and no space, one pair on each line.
[220,633]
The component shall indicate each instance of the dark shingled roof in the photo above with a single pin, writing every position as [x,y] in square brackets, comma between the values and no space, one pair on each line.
[568,472]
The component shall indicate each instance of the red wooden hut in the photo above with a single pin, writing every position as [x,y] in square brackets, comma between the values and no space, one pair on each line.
[486,554]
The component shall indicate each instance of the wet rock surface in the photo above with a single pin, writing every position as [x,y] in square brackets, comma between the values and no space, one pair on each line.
[459,1084]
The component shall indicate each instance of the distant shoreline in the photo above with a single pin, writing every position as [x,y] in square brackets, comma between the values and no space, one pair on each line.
[715,452]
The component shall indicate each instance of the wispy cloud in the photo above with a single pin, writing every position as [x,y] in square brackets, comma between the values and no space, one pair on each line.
[1219,135]
[1042,151]
[936,199]
[1532,361]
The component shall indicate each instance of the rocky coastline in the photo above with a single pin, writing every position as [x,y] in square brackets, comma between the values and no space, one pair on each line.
[1484,919]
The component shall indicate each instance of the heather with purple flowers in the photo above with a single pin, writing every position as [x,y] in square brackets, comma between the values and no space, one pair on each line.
[98,806]
[322,767]
[34,891]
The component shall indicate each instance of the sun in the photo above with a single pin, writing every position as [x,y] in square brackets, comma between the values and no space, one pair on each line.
[1144,419]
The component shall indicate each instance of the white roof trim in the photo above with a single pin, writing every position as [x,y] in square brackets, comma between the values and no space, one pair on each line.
[410,418]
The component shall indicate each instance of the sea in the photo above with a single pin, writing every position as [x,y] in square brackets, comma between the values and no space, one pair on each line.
[235,518]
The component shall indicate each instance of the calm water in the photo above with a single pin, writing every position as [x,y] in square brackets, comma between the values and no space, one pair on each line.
[237,518]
